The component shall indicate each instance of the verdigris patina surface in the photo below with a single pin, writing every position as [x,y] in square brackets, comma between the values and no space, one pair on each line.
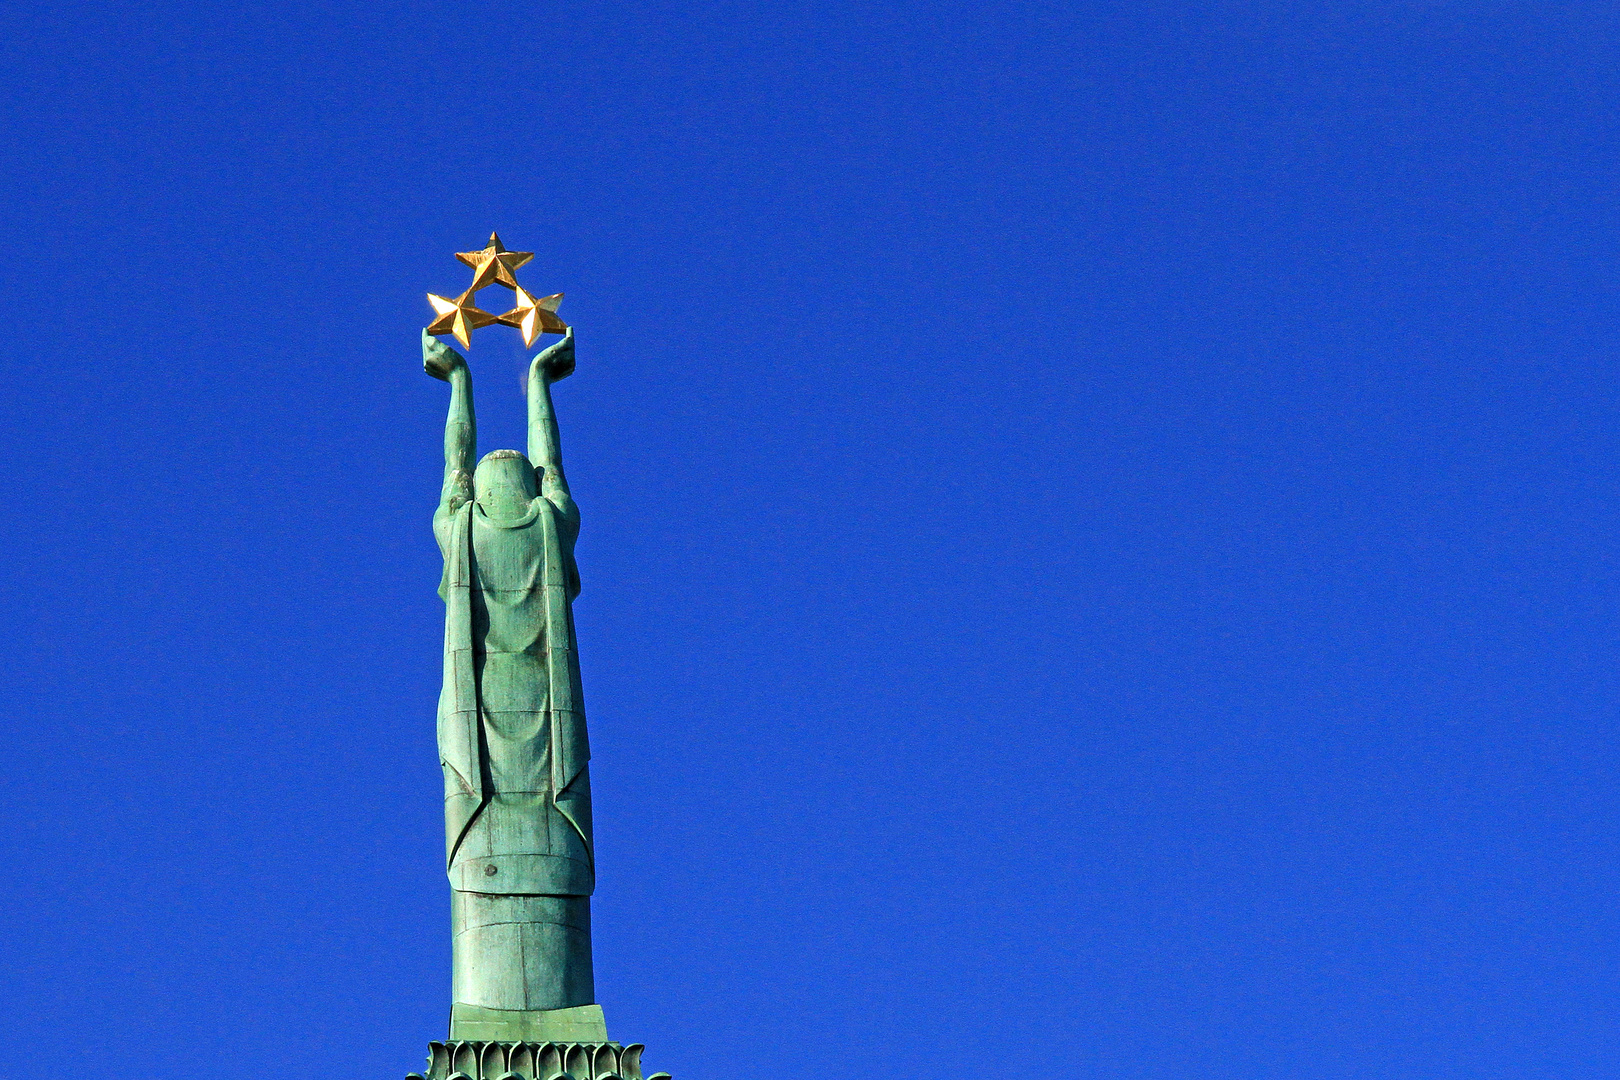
[517,795]
[517,786]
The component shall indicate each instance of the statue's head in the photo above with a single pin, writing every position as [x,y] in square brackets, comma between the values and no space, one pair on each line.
[504,484]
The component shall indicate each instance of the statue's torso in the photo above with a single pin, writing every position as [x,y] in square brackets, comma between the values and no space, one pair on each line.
[509,641]
[519,820]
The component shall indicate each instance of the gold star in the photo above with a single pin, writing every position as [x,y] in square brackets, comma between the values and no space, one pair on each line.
[534,317]
[494,265]
[459,317]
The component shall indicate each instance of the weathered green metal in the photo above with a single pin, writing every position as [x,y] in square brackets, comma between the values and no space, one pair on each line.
[511,715]
[517,796]
[477,1060]
[581,1024]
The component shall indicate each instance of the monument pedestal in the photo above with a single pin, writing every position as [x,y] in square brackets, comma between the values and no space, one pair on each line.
[581,1024]
[499,1060]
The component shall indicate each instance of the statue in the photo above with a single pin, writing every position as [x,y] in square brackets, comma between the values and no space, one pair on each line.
[511,726]
[512,738]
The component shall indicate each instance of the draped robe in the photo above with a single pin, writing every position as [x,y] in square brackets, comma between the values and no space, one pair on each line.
[511,716]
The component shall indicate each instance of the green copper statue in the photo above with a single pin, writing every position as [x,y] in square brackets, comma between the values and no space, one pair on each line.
[517,794]
[517,784]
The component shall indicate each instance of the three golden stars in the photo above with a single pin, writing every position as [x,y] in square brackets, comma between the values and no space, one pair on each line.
[493,266]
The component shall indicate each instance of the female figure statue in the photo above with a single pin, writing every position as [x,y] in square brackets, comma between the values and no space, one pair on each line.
[517,798]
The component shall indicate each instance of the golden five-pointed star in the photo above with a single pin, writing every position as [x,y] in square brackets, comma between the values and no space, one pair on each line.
[494,265]
[534,317]
[459,317]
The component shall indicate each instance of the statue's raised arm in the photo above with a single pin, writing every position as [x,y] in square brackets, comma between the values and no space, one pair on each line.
[545,449]
[460,427]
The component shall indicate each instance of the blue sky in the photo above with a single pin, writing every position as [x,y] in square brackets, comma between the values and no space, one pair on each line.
[1099,537]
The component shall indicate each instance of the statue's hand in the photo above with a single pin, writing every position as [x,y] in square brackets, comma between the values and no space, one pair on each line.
[557,362]
[439,359]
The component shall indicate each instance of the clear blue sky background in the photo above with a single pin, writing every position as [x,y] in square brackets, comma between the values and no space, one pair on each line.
[1099,528]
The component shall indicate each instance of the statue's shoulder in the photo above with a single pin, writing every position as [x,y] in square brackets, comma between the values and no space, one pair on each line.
[450,513]
[563,503]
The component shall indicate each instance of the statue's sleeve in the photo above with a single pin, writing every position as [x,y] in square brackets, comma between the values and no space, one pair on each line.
[458,699]
[457,493]
[567,509]
[442,529]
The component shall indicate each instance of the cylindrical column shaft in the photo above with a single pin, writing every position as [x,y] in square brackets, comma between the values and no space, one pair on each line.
[521,952]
